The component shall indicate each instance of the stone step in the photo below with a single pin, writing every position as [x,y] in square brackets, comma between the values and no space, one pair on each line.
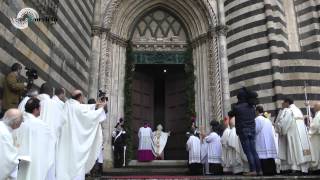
[145,171]
[156,167]
[158,164]
[225,177]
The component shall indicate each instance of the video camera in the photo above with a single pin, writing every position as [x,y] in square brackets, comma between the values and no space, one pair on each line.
[102,96]
[31,74]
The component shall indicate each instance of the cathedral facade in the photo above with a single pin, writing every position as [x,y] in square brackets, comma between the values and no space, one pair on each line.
[269,46]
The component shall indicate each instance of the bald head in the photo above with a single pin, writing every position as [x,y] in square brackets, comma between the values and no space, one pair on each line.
[76,92]
[13,118]
[77,95]
[316,106]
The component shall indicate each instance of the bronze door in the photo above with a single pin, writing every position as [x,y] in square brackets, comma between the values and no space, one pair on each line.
[142,104]
[175,116]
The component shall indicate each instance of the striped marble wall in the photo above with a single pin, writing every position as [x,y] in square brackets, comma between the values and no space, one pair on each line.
[308,17]
[59,52]
[259,55]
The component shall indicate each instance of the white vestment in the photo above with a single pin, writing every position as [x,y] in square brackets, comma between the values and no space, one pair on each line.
[80,140]
[294,143]
[238,159]
[159,142]
[204,156]
[276,140]
[37,142]
[58,100]
[214,148]
[204,152]
[17,132]
[315,140]
[282,142]
[8,152]
[51,113]
[23,103]
[194,149]
[265,139]
[145,138]
[226,151]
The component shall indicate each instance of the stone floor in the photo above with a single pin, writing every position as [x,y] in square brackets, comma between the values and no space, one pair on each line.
[226,177]
[177,170]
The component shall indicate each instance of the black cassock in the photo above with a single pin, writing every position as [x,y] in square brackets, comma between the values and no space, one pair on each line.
[119,143]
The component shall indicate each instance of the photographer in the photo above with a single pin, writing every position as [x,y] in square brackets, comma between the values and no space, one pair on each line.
[12,88]
[103,98]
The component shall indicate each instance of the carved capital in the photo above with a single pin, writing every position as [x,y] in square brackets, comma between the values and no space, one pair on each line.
[219,30]
[117,39]
[202,38]
[95,31]
[114,37]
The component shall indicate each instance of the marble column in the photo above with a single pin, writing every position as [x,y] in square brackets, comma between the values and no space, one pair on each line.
[202,102]
[223,58]
[95,51]
[115,79]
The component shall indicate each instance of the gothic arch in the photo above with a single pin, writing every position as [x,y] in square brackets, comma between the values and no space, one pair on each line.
[200,23]
[199,16]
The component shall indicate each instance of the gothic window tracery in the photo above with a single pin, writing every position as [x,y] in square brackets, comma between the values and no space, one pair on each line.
[159,30]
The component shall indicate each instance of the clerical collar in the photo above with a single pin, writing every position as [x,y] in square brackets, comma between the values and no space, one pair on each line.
[55,97]
[75,101]
[291,105]
[44,96]
[29,115]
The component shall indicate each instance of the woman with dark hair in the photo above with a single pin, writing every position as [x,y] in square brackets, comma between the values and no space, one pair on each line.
[214,149]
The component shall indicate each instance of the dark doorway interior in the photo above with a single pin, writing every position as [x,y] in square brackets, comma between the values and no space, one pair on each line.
[159,98]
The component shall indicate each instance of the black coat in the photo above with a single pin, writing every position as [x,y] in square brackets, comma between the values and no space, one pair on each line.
[119,140]
[244,118]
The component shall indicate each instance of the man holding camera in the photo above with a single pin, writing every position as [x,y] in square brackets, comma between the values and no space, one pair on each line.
[12,88]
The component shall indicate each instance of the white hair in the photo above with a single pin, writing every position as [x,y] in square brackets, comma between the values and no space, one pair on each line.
[159,127]
[11,119]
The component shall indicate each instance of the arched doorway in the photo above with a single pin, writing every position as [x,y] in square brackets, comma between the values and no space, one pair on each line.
[159,43]
[120,19]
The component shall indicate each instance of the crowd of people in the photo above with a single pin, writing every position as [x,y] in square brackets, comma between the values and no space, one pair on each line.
[47,136]
[252,144]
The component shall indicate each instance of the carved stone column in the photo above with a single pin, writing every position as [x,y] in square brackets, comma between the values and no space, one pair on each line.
[202,92]
[214,69]
[222,31]
[95,51]
[114,58]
